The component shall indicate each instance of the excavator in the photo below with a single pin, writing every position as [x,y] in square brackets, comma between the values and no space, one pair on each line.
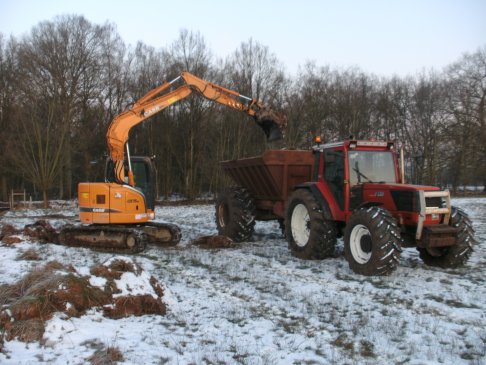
[118,214]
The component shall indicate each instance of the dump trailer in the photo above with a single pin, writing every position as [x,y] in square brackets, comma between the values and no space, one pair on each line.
[353,189]
[270,178]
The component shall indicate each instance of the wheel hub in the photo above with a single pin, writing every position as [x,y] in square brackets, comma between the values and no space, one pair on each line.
[361,244]
[366,243]
[300,225]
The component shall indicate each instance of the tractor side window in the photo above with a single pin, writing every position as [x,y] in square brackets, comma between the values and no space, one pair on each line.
[334,174]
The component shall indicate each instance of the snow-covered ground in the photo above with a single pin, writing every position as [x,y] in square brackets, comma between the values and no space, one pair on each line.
[256,304]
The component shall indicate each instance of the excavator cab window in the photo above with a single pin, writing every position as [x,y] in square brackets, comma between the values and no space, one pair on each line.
[144,175]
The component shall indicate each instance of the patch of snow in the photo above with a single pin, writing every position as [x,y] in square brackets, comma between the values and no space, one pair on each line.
[134,284]
[97,281]
[255,303]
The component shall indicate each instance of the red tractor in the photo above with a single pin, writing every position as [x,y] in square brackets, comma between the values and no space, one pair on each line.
[353,189]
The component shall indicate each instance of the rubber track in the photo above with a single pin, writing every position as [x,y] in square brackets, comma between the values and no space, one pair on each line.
[68,237]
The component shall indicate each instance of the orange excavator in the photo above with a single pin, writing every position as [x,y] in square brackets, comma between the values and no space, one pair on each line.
[117,214]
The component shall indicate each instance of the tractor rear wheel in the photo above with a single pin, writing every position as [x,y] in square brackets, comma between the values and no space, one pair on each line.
[235,214]
[458,254]
[372,242]
[309,234]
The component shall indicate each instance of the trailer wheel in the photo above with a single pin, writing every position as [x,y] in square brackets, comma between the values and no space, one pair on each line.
[309,235]
[372,242]
[457,255]
[235,214]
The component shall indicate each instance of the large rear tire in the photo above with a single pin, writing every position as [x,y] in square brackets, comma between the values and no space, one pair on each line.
[372,242]
[235,214]
[458,254]
[309,234]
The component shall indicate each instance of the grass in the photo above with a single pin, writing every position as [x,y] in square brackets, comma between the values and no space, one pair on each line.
[29,255]
[54,287]
[106,355]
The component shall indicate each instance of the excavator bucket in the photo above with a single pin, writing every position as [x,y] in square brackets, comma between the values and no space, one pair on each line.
[272,123]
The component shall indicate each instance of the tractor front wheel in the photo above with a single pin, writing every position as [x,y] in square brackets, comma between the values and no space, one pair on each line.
[458,254]
[372,242]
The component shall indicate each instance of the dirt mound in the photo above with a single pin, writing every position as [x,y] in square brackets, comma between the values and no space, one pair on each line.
[41,230]
[119,288]
[213,242]
[124,276]
[8,230]
[8,235]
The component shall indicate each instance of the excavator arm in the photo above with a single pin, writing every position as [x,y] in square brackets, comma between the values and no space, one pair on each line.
[156,100]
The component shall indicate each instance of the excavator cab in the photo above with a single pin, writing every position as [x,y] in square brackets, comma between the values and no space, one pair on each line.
[144,173]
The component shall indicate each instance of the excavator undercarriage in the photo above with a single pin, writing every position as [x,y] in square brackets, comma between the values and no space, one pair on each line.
[120,238]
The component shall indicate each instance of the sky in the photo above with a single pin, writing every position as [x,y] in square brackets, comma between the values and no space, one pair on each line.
[384,37]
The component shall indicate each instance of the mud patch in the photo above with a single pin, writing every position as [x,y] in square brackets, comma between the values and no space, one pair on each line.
[209,242]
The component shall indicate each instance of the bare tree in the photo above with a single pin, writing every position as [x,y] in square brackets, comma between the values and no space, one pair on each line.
[255,72]
[314,87]
[39,143]
[8,102]
[467,108]
[60,59]
[190,52]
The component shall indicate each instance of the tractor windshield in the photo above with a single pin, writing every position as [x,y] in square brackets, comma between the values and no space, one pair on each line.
[371,166]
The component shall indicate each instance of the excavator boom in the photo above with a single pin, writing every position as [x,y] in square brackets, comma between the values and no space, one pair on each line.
[272,123]
[156,100]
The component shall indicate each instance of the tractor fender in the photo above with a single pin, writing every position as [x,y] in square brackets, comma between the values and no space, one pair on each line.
[319,196]
[368,204]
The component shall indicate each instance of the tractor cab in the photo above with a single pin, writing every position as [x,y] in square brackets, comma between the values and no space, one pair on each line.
[347,168]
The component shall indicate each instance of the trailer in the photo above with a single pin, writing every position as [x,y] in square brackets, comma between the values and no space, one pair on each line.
[271,178]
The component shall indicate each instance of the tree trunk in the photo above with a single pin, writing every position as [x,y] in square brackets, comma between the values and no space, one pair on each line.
[46,198]
[4,189]
[69,172]
[61,186]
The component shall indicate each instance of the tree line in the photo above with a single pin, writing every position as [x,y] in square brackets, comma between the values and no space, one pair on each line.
[62,84]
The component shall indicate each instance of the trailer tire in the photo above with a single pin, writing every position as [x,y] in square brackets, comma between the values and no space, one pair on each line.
[235,214]
[309,235]
[372,242]
[458,254]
